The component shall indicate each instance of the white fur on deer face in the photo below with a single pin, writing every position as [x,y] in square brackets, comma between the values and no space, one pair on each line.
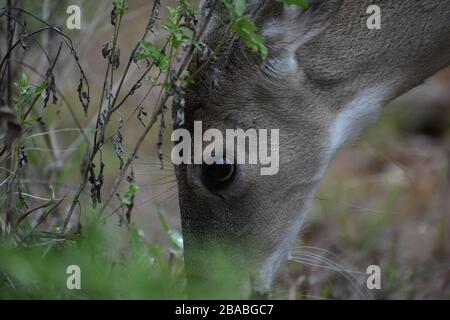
[347,126]
[325,79]
[357,115]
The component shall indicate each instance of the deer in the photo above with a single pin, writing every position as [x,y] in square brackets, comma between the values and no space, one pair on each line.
[326,77]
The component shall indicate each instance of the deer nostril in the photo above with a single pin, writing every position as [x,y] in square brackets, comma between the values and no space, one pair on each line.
[218,175]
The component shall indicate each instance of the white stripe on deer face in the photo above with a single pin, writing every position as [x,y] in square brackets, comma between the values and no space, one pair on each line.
[356,116]
[347,125]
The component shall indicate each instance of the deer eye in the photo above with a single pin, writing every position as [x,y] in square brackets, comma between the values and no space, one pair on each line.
[218,175]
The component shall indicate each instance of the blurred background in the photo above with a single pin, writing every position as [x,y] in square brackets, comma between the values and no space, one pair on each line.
[384,201]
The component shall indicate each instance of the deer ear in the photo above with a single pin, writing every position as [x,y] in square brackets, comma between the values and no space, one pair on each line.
[292,27]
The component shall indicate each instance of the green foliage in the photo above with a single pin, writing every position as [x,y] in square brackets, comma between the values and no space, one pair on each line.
[113,264]
[178,33]
[301,3]
[244,27]
[127,199]
[26,93]
[175,237]
[121,6]
[149,50]
[247,31]
[38,270]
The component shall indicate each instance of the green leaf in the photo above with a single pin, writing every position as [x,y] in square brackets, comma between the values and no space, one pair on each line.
[135,239]
[239,7]
[23,81]
[174,235]
[246,30]
[163,221]
[178,32]
[149,50]
[121,6]
[127,199]
[25,94]
[40,88]
[175,238]
[300,3]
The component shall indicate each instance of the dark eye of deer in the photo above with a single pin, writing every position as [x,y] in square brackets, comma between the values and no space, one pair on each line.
[218,175]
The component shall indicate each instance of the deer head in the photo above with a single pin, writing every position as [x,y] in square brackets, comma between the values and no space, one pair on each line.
[324,80]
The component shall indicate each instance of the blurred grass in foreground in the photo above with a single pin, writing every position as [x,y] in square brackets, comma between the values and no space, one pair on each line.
[111,268]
